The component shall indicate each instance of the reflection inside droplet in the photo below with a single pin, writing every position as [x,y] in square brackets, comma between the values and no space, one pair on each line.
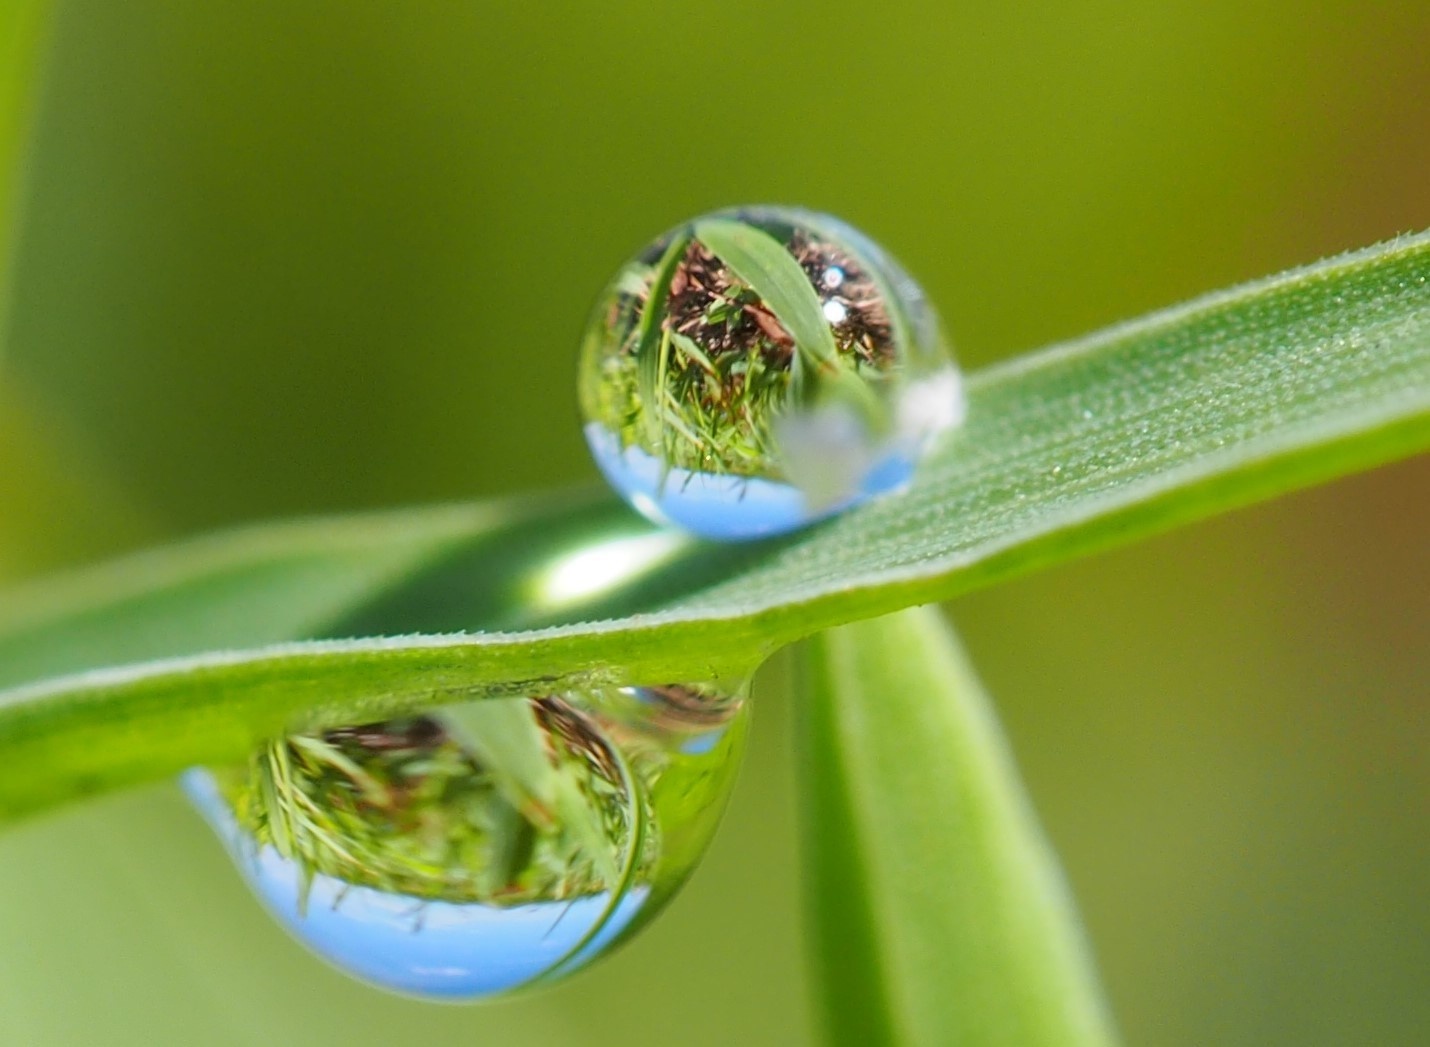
[757,369]
[484,847]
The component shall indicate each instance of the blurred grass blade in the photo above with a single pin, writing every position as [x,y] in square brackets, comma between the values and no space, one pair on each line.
[938,914]
[515,749]
[1239,396]
[238,590]
[56,503]
[22,35]
[652,338]
[510,743]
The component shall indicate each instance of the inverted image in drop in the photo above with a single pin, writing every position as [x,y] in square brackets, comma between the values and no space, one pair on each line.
[757,369]
[484,847]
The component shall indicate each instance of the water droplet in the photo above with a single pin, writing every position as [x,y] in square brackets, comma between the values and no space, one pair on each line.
[485,847]
[757,369]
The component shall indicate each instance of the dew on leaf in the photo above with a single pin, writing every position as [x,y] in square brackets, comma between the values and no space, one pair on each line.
[757,369]
[484,847]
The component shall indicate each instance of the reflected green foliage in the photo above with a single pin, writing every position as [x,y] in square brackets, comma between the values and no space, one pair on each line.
[285,258]
[1237,396]
[405,808]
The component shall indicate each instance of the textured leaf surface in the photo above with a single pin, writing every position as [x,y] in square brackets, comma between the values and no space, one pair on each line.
[937,912]
[1242,395]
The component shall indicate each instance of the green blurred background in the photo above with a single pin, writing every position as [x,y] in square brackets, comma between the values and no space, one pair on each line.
[283,257]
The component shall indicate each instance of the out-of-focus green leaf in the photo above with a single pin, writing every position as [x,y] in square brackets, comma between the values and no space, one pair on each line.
[135,670]
[57,506]
[937,912]
[22,25]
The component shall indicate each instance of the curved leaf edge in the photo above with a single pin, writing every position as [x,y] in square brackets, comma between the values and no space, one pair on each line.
[253,693]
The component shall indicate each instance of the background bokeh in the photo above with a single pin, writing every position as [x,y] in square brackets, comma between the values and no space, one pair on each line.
[282,257]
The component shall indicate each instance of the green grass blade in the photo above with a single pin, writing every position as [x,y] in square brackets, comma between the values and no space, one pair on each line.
[241,589]
[651,339]
[766,265]
[1239,396]
[509,740]
[513,746]
[938,914]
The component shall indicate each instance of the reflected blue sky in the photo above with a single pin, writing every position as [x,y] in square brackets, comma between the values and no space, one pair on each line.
[723,507]
[425,948]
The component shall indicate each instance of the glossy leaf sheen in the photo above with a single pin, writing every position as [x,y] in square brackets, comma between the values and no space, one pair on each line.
[1238,396]
[938,914]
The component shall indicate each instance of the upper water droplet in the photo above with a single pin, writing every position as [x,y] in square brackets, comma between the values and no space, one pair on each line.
[757,369]
[483,847]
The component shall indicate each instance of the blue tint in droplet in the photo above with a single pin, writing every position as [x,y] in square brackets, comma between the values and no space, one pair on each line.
[449,863]
[415,945]
[758,369]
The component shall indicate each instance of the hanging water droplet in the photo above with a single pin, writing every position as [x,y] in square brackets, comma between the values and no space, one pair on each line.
[483,847]
[757,369]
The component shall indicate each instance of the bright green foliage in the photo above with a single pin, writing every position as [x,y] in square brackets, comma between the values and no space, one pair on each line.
[418,814]
[937,911]
[1238,396]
